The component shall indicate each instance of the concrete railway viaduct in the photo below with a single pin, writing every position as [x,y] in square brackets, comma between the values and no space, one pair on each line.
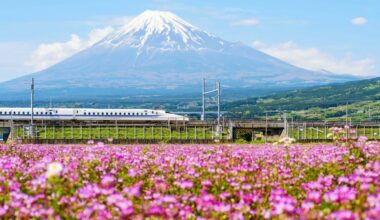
[193,131]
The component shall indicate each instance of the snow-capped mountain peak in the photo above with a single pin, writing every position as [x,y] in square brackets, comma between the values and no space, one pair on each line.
[160,30]
[159,53]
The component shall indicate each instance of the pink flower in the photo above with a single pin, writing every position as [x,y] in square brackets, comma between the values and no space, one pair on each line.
[341,194]
[3,210]
[132,172]
[169,199]
[185,184]
[108,181]
[133,191]
[373,213]
[362,139]
[306,205]
[314,196]
[342,215]
[222,208]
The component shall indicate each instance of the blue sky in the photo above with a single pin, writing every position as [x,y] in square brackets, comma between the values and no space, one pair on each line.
[340,36]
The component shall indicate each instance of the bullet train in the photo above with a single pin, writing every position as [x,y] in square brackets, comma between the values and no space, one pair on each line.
[86,114]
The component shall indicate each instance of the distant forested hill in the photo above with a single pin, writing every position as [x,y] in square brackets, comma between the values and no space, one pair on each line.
[327,100]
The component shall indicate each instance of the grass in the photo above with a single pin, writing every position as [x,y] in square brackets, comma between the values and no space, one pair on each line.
[321,133]
[125,132]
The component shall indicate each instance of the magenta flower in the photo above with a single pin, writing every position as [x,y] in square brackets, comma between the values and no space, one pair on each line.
[343,215]
[185,184]
[108,181]
[362,139]
[314,196]
[190,182]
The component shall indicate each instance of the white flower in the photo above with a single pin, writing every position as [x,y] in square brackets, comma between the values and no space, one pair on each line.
[54,169]
[287,141]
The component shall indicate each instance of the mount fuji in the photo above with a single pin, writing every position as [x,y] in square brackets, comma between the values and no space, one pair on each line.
[160,53]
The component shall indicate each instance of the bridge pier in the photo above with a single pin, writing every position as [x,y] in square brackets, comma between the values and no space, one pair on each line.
[5,131]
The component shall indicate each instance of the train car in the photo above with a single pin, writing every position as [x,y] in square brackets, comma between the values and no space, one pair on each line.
[86,114]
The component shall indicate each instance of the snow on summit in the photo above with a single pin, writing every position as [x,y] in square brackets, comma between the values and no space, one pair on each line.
[157,50]
[161,30]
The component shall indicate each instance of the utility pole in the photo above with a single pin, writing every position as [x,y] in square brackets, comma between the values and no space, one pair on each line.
[346,113]
[218,95]
[266,126]
[218,88]
[203,117]
[369,112]
[286,125]
[32,107]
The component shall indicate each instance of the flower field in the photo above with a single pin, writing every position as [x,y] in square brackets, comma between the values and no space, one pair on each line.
[99,181]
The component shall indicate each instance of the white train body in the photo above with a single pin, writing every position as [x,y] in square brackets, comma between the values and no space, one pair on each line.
[87,114]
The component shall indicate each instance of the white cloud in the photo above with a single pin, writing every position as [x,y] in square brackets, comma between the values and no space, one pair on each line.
[359,21]
[247,22]
[314,59]
[48,54]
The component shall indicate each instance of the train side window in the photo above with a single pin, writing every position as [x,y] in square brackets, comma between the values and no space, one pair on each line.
[85,113]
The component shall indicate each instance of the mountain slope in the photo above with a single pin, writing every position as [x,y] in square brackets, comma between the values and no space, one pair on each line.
[327,101]
[159,53]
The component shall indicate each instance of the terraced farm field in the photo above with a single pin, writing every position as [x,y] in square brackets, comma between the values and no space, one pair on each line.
[189,181]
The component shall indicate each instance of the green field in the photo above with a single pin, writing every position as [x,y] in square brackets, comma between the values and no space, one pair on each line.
[121,132]
[321,132]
